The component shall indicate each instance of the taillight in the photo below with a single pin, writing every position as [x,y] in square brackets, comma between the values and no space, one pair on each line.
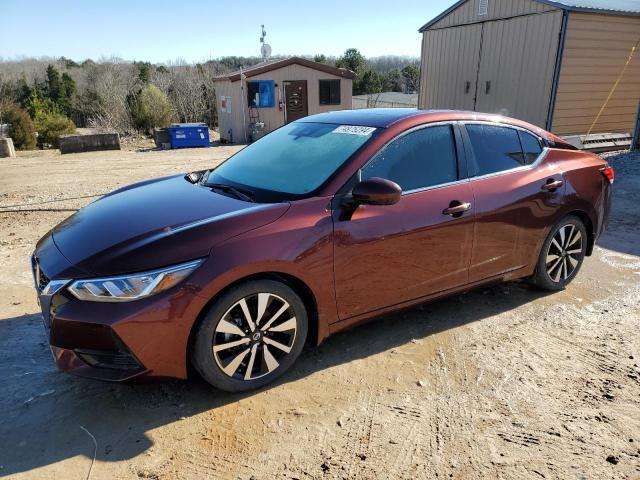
[608,173]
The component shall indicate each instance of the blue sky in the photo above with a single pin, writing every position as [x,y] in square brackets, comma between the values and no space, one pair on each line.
[197,30]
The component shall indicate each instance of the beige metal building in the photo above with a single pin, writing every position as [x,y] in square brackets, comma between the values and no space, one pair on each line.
[261,98]
[552,63]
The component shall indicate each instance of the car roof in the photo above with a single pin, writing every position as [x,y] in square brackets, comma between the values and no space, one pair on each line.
[367,117]
[385,117]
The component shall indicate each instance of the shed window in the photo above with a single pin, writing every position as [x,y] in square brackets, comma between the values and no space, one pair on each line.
[329,92]
[261,93]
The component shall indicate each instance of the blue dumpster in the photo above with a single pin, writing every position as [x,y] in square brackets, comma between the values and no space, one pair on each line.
[184,135]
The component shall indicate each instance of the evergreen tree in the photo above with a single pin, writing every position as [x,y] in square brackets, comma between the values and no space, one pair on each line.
[393,81]
[371,82]
[53,84]
[67,92]
[352,60]
[21,131]
[39,104]
[411,75]
[68,62]
[144,72]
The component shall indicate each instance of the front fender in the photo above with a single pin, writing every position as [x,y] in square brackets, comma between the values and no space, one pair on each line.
[299,244]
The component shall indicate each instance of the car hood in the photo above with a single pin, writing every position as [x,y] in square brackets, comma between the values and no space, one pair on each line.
[155,223]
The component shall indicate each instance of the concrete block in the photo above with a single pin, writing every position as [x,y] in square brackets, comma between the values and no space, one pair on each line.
[6,148]
[89,143]
[160,137]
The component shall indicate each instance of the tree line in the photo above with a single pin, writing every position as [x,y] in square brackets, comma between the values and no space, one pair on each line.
[54,96]
[384,74]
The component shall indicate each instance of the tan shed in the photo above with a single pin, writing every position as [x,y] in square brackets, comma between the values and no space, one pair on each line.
[261,98]
[552,63]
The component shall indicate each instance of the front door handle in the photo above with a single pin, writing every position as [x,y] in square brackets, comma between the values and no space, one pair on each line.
[552,185]
[457,208]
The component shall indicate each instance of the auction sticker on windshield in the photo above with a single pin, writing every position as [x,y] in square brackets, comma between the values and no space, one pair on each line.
[355,130]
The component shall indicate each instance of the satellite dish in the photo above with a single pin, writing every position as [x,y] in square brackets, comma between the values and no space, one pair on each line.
[265,50]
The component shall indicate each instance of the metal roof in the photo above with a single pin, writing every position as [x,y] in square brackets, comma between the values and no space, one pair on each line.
[615,7]
[605,6]
[268,66]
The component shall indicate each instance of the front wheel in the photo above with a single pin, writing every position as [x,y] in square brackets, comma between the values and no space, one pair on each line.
[250,336]
[562,254]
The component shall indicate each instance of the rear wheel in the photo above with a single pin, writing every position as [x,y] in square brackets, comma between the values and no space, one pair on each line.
[562,254]
[250,336]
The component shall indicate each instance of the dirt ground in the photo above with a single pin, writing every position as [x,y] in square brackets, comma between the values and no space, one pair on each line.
[504,382]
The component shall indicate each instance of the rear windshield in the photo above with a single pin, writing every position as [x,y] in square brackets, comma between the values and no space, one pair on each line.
[293,160]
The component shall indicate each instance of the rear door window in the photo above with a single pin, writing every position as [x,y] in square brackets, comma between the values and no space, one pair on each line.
[531,147]
[419,159]
[495,149]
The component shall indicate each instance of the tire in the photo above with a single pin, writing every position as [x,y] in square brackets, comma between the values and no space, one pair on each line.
[561,255]
[259,352]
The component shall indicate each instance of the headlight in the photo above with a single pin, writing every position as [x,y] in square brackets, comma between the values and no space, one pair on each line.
[125,288]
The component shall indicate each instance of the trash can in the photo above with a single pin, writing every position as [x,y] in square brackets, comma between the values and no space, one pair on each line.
[185,135]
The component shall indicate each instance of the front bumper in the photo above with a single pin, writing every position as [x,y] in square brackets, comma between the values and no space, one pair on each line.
[69,361]
[119,341]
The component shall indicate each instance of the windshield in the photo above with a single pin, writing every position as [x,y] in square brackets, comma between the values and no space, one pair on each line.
[293,160]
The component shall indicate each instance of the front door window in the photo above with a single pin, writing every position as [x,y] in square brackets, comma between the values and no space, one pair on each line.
[420,159]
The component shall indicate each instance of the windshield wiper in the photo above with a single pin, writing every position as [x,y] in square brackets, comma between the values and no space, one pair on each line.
[241,194]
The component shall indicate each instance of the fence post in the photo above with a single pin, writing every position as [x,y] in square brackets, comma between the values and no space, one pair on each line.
[635,143]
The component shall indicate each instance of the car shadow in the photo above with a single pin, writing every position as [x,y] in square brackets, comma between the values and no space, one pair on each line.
[43,408]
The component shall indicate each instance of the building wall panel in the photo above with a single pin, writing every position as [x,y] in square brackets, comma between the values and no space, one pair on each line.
[517,66]
[273,117]
[227,121]
[449,60]
[596,50]
[468,12]
[515,58]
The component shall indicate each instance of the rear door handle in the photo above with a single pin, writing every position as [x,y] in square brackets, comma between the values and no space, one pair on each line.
[457,208]
[552,185]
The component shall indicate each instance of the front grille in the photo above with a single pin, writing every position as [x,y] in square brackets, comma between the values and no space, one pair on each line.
[40,278]
[43,281]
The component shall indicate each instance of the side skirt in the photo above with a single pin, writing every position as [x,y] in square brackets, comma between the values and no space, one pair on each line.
[363,318]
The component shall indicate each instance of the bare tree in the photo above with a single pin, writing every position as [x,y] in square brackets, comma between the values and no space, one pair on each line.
[187,92]
[109,88]
[189,88]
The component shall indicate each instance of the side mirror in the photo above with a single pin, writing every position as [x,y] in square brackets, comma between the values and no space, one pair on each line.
[376,191]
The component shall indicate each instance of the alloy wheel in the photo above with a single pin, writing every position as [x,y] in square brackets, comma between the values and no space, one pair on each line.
[564,253]
[254,335]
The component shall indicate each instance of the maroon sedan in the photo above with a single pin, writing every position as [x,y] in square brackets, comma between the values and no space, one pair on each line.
[320,225]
